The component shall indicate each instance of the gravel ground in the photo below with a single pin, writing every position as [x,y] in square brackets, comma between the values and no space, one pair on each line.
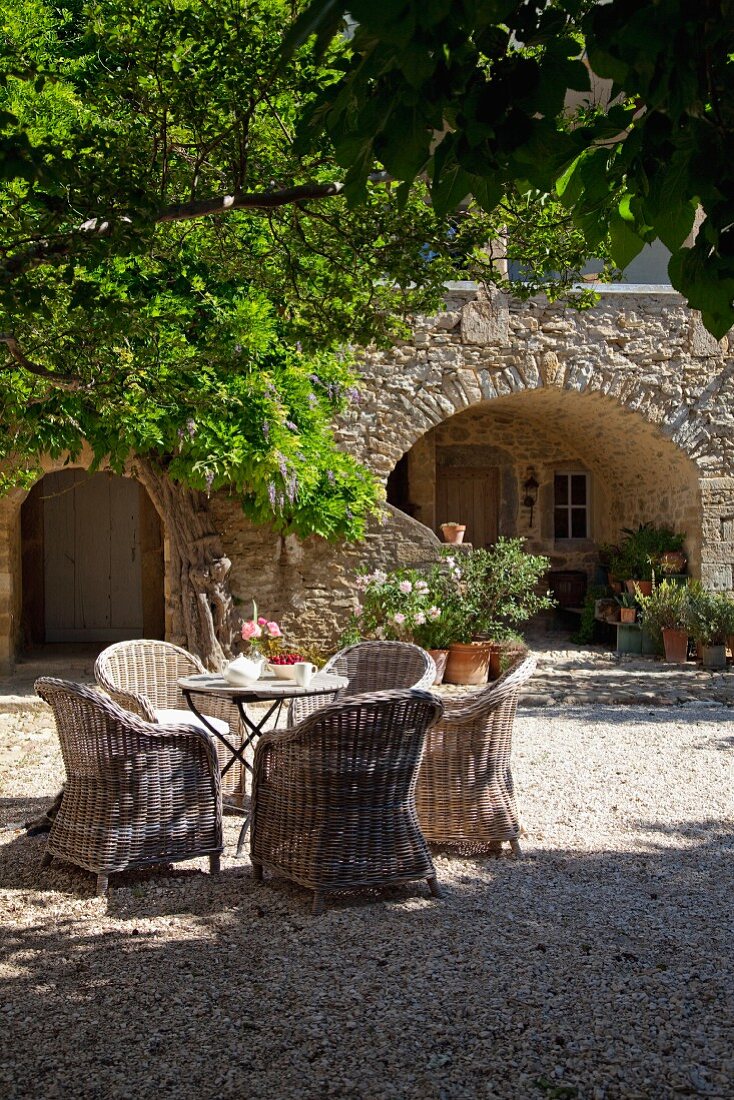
[600,966]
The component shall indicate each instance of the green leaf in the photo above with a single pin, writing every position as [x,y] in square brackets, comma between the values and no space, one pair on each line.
[624,242]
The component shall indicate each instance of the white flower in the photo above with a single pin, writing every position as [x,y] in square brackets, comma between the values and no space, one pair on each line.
[434,612]
[378,577]
[419,618]
[399,618]
[358,610]
[450,561]
[406,587]
[363,582]
[421,586]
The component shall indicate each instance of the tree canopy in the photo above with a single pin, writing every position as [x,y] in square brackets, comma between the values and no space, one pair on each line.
[180,279]
[495,97]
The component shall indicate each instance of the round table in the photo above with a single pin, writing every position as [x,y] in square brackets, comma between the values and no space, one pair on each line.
[268,688]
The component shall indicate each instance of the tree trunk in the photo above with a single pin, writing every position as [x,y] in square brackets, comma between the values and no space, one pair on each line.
[203,615]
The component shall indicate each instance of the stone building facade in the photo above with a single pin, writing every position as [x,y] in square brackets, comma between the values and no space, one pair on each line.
[601,420]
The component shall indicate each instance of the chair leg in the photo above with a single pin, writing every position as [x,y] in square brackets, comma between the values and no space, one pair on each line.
[516,849]
[46,859]
[433,886]
[103,882]
[319,903]
[241,837]
[214,865]
[257,872]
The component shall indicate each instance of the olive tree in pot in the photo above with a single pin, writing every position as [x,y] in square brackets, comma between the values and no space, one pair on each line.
[711,622]
[489,592]
[667,612]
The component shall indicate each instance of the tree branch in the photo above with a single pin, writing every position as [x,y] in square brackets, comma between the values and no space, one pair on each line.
[257,200]
[62,381]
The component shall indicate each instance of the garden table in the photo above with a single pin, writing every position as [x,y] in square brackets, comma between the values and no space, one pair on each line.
[267,689]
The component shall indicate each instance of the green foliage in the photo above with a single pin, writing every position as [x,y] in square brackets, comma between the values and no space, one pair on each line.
[490,591]
[445,90]
[710,616]
[668,607]
[585,632]
[639,553]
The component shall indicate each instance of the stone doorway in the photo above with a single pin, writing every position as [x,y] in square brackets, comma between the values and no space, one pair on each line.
[469,495]
[91,561]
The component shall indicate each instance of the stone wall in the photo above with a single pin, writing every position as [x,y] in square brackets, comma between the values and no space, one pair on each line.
[634,391]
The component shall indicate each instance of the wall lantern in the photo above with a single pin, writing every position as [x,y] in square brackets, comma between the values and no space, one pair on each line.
[530,488]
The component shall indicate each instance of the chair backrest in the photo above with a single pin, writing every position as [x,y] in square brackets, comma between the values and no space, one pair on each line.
[93,731]
[361,749]
[497,699]
[146,668]
[383,666]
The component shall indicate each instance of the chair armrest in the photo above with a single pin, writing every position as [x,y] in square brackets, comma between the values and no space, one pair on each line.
[136,704]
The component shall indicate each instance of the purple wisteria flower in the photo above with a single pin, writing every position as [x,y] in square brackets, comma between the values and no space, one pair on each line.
[330,476]
[353,395]
[292,489]
[291,426]
[271,493]
[282,465]
[266,429]
[313,399]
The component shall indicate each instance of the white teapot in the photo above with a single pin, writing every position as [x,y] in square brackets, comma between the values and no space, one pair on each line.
[244,671]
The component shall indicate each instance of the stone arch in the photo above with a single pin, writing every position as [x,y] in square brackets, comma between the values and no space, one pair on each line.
[11,570]
[634,470]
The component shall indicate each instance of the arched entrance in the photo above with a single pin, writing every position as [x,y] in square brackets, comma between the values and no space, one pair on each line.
[565,470]
[91,560]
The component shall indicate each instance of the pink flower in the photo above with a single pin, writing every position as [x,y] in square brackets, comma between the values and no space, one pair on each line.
[421,586]
[399,618]
[261,621]
[358,610]
[274,630]
[433,612]
[405,586]
[419,618]
[250,629]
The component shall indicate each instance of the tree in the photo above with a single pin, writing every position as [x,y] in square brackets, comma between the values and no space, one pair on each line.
[474,95]
[178,282]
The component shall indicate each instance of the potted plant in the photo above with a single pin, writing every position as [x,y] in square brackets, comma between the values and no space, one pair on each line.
[487,594]
[641,553]
[666,612]
[453,532]
[627,607]
[711,621]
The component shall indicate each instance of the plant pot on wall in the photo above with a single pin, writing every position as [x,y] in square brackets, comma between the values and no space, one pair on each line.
[676,646]
[468,663]
[440,657]
[453,532]
[627,614]
[644,587]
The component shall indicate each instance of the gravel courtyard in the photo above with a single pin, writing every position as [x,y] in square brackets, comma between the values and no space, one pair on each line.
[600,966]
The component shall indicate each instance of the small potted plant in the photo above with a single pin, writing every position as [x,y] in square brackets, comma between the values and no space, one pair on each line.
[667,612]
[627,607]
[453,532]
[711,622]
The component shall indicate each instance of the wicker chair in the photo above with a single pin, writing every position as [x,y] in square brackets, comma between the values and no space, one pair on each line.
[465,796]
[142,677]
[136,793]
[371,666]
[333,799]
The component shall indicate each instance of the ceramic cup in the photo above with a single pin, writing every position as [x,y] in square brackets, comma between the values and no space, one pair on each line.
[304,672]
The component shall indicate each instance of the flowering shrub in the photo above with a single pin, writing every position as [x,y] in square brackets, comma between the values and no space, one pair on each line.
[397,606]
[263,636]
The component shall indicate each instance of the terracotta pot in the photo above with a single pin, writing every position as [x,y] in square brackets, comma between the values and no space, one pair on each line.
[468,663]
[453,533]
[730,645]
[495,661]
[645,587]
[627,614]
[440,657]
[676,646]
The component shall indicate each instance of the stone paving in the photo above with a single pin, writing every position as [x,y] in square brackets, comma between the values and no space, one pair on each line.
[570,674]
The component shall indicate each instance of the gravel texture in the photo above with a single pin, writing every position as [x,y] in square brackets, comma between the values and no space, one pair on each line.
[600,966]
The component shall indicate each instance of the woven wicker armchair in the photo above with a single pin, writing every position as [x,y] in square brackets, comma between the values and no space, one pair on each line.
[372,666]
[465,796]
[142,677]
[136,793]
[333,799]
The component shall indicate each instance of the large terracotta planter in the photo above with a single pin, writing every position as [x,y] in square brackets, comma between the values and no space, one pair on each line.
[440,657]
[676,646]
[468,663]
[627,614]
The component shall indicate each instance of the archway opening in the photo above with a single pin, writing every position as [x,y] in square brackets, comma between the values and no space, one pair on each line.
[92,568]
[567,471]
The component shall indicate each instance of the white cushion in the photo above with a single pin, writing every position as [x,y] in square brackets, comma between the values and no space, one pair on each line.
[188,718]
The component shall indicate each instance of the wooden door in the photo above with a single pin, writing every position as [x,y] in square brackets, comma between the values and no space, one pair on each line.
[92,557]
[469,495]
